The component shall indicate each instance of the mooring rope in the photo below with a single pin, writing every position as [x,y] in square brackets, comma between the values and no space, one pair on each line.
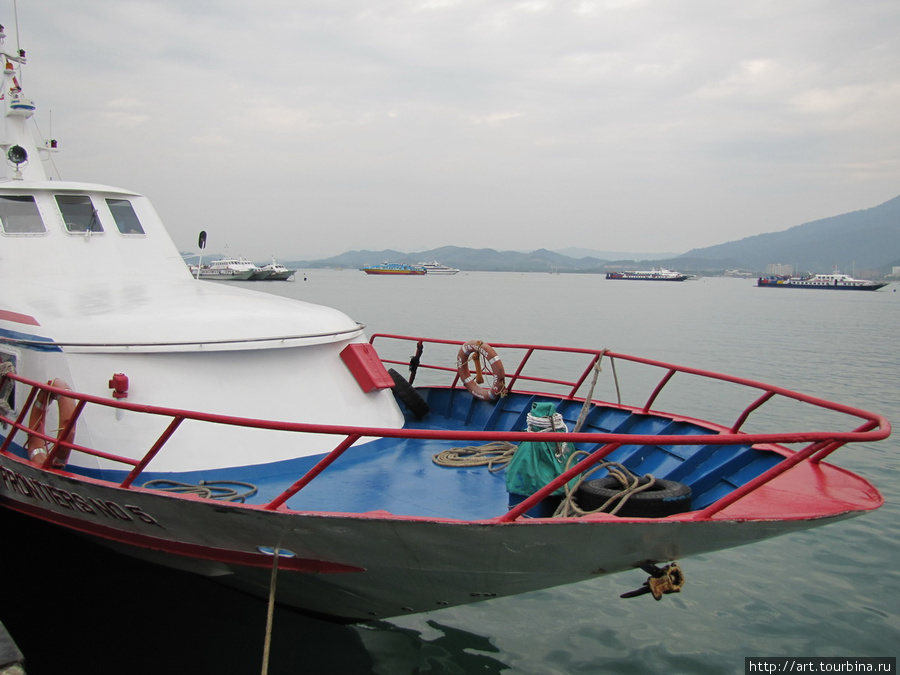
[582,416]
[612,364]
[213,489]
[270,612]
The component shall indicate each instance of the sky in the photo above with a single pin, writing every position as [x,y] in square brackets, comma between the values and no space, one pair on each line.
[306,128]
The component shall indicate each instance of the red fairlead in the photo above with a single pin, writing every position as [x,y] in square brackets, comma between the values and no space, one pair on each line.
[476,350]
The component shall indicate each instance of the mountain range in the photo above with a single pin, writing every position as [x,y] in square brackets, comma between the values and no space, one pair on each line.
[865,243]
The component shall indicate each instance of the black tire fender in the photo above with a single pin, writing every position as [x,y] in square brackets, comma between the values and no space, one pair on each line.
[408,396]
[663,498]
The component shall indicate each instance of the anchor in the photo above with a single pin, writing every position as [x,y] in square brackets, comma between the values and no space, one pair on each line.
[662,580]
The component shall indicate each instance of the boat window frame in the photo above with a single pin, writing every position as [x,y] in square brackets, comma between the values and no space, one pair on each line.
[22,199]
[89,227]
[109,207]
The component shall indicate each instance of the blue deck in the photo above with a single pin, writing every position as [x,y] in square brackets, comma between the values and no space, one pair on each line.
[399,476]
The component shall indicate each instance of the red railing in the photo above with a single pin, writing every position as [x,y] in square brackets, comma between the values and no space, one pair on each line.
[819,443]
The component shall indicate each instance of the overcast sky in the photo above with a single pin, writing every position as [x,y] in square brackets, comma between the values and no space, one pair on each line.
[306,128]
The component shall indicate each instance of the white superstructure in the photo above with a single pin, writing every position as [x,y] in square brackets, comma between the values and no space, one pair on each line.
[92,285]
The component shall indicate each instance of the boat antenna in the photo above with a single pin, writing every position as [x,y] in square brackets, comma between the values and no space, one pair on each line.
[18,42]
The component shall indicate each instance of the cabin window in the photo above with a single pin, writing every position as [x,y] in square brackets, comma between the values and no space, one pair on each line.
[125,217]
[19,215]
[78,213]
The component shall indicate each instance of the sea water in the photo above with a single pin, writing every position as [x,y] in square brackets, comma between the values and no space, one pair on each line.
[74,607]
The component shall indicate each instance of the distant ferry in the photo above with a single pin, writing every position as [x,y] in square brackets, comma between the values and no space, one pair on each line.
[393,268]
[834,282]
[277,271]
[649,275]
[434,267]
[229,269]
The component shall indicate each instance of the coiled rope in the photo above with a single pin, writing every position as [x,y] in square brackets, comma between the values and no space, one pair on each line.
[495,455]
[631,484]
[214,489]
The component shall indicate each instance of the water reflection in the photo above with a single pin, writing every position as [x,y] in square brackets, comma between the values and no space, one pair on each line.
[397,651]
[73,606]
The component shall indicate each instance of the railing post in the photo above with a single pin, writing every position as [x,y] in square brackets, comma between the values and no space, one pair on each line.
[749,409]
[145,460]
[26,408]
[515,376]
[312,473]
[763,478]
[659,387]
[577,385]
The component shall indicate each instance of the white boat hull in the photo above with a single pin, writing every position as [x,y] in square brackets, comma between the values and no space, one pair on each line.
[367,566]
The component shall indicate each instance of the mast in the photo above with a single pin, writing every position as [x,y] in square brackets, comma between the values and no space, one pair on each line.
[21,153]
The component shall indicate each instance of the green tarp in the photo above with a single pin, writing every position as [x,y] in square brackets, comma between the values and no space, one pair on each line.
[536,463]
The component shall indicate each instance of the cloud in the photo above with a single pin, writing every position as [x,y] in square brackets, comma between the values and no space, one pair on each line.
[494,118]
[126,112]
[454,121]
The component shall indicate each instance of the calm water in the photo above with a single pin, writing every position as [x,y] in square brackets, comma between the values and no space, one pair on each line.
[828,592]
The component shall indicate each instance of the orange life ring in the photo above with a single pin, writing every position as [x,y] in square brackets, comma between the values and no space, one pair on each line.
[477,350]
[37,446]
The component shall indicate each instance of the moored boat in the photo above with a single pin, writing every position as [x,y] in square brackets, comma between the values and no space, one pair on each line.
[659,274]
[834,282]
[359,487]
[277,271]
[434,267]
[230,269]
[393,268]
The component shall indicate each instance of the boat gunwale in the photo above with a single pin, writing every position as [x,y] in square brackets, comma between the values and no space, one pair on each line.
[821,443]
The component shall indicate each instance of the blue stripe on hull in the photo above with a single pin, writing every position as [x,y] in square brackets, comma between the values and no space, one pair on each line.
[28,341]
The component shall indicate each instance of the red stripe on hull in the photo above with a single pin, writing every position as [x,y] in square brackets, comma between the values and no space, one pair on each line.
[183,549]
[6,315]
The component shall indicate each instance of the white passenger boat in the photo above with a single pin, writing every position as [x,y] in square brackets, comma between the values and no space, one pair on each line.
[277,271]
[355,485]
[231,269]
[434,267]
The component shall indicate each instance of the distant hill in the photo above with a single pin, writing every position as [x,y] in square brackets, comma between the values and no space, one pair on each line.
[471,259]
[575,252]
[866,242]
